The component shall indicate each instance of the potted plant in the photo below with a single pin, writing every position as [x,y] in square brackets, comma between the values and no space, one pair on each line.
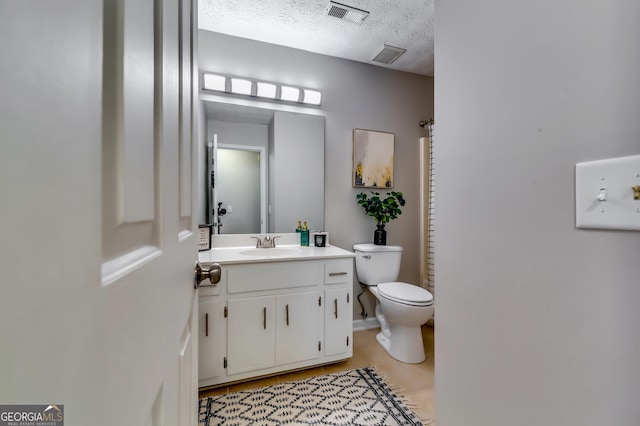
[382,210]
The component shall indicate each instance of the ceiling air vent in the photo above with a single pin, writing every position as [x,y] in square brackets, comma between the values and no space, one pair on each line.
[388,54]
[347,13]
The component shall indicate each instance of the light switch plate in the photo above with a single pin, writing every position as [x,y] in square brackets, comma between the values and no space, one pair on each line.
[604,194]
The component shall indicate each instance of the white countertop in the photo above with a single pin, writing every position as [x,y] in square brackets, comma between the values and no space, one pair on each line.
[287,252]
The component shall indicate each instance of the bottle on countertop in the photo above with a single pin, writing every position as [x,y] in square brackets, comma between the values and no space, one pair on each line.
[304,235]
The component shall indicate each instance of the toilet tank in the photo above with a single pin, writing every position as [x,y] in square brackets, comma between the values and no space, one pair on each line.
[377,264]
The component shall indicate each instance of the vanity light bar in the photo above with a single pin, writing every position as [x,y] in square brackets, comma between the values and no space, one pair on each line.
[261,89]
[312,97]
[288,93]
[214,82]
[266,90]
[241,86]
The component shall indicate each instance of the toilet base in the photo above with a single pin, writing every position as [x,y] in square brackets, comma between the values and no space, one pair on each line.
[404,344]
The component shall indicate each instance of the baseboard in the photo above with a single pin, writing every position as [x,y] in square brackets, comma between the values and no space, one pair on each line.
[365,324]
[370,323]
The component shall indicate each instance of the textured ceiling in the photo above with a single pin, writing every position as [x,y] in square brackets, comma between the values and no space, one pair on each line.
[304,24]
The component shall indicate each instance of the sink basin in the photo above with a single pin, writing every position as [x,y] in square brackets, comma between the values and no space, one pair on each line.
[276,251]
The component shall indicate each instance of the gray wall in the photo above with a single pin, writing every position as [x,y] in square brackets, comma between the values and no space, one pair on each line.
[536,321]
[355,95]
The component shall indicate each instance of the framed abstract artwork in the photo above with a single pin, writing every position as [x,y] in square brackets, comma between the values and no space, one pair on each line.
[372,159]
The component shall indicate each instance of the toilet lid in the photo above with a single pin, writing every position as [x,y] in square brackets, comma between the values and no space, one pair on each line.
[368,247]
[405,293]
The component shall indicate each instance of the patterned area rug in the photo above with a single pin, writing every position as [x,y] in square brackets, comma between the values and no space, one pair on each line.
[348,398]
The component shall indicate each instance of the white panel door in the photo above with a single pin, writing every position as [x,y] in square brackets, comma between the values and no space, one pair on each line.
[97,242]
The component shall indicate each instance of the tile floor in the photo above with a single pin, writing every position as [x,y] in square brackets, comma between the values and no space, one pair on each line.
[415,382]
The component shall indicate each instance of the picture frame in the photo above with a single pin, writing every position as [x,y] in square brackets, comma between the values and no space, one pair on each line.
[373,157]
[204,237]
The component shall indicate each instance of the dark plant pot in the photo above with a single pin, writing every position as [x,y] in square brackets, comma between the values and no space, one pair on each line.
[380,236]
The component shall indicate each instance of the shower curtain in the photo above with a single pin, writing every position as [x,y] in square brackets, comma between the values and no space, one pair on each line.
[428,211]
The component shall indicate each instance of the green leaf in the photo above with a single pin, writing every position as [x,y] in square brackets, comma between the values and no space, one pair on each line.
[382,210]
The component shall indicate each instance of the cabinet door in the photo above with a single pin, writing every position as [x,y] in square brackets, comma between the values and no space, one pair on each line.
[211,347]
[297,333]
[250,334]
[338,326]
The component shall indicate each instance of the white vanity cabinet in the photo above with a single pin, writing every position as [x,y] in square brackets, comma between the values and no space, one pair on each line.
[298,327]
[251,334]
[211,332]
[272,330]
[338,326]
[272,316]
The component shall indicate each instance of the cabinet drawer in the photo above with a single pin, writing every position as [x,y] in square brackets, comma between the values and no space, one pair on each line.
[338,271]
[272,276]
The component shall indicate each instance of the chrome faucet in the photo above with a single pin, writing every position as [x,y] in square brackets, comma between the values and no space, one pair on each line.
[268,241]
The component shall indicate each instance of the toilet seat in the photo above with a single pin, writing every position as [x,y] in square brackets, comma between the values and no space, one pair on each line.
[404,293]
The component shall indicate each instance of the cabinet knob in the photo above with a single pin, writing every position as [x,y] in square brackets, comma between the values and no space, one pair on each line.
[211,272]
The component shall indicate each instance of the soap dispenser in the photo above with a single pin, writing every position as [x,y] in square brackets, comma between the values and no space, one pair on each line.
[304,235]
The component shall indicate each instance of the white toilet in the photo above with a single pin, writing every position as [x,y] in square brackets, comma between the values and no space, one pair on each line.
[401,308]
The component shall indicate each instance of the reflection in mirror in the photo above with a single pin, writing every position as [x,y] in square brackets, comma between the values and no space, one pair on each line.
[265,169]
[240,200]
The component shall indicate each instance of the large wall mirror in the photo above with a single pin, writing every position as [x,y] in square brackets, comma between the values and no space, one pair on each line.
[264,169]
